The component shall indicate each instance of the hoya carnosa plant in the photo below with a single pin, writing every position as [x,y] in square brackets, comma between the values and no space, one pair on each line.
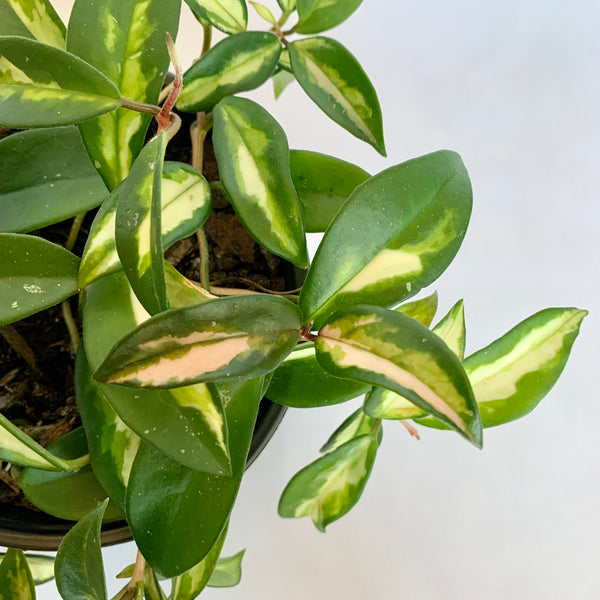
[169,372]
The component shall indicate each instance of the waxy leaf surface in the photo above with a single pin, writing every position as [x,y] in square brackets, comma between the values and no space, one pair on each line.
[238,336]
[34,19]
[126,42]
[422,310]
[34,274]
[330,486]
[41,567]
[281,79]
[230,16]
[336,82]
[301,382]
[16,581]
[228,571]
[185,206]
[253,157]
[396,234]
[41,85]
[236,64]
[357,424]
[323,184]
[319,15]
[391,350]
[51,179]
[79,568]
[187,423]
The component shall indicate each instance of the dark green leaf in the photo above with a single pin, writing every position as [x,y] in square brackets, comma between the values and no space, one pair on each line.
[16,582]
[319,15]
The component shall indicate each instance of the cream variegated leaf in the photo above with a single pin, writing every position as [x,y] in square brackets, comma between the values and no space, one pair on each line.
[16,581]
[230,16]
[357,424]
[40,565]
[35,19]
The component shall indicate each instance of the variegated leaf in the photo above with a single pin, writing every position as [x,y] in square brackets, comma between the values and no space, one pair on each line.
[319,15]
[323,184]
[66,495]
[512,375]
[16,582]
[185,206]
[125,40]
[227,572]
[181,291]
[138,229]
[51,179]
[396,234]
[41,567]
[253,158]
[34,274]
[230,16]
[187,424]
[236,64]
[422,310]
[389,349]
[237,336]
[287,6]
[452,329]
[301,382]
[41,85]
[357,424]
[336,82]
[35,19]
[329,487]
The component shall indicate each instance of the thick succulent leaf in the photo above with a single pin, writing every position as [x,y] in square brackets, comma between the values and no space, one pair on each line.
[112,445]
[51,179]
[79,569]
[41,567]
[228,571]
[323,184]
[253,157]
[230,16]
[422,310]
[187,423]
[319,15]
[302,383]
[181,291]
[512,375]
[138,229]
[41,85]
[34,274]
[16,581]
[126,42]
[188,585]
[238,336]
[381,403]
[357,424]
[281,79]
[396,234]
[35,19]
[336,82]
[185,206]
[175,536]
[66,495]
[236,64]
[452,329]
[330,486]
[389,349]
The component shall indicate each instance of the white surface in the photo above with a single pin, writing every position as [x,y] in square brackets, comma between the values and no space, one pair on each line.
[513,87]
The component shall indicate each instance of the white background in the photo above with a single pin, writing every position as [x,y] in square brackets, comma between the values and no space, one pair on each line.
[513,87]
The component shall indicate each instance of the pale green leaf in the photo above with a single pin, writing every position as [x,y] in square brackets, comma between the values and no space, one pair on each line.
[227,572]
[281,79]
[35,19]
[357,424]
[230,16]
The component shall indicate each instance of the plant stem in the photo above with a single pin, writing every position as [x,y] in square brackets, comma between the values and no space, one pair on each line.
[164,118]
[204,256]
[20,346]
[414,432]
[142,107]
[70,323]
[207,40]
[375,428]
[306,335]
[75,229]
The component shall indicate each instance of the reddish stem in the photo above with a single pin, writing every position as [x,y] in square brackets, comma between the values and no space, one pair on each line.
[163,118]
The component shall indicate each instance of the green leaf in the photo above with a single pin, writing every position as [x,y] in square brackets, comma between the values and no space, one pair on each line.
[323,184]
[16,582]
[79,568]
[336,82]
[330,486]
[396,234]
[237,336]
[187,423]
[41,85]
[228,571]
[281,79]
[319,15]
[422,310]
[236,64]
[51,179]
[302,383]
[41,567]
[152,589]
[287,6]
[185,202]
[512,375]
[263,12]
[35,19]
[138,230]
[452,329]
[126,42]
[34,274]
[66,495]
[230,16]
[253,157]
[175,536]
[357,424]
[391,350]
